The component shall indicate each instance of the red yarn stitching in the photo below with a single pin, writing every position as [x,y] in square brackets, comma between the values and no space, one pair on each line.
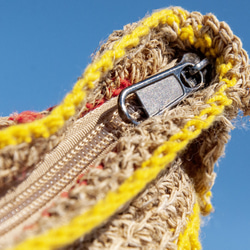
[115,92]
[123,84]
[25,116]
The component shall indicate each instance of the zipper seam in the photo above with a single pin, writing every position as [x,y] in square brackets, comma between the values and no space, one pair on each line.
[87,147]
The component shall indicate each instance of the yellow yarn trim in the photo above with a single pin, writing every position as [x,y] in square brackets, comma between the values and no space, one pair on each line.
[206,202]
[189,239]
[162,156]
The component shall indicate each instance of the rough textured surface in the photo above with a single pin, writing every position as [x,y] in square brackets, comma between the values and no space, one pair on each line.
[153,220]
[158,215]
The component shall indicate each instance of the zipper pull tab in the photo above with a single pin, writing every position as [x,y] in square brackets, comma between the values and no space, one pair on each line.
[166,89]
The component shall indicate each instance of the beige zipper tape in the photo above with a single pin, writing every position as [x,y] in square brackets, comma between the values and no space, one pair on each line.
[84,142]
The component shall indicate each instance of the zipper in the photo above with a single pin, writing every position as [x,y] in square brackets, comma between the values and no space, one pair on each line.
[188,76]
[96,134]
[89,138]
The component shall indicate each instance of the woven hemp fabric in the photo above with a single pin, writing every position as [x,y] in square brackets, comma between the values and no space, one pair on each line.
[77,177]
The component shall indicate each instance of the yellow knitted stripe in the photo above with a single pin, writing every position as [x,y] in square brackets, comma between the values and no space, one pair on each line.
[206,203]
[162,156]
[53,122]
[189,239]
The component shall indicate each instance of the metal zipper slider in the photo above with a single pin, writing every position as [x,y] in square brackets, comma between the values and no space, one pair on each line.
[166,89]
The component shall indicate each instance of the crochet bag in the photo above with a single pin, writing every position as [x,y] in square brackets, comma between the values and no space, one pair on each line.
[81,176]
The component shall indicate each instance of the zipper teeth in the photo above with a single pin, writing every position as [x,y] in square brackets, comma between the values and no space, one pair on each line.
[62,173]
[32,201]
[58,169]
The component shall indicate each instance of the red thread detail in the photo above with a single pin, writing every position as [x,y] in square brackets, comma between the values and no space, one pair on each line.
[123,84]
[115,92]
[100,166]
[26,116]
[45,213]
[51,108]
[89,106]
[64,195]
[80,181]
[83,183]
[79,178]
[99,103]
[28,227]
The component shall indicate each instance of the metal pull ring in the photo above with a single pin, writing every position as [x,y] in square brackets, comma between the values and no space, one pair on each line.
[165,89]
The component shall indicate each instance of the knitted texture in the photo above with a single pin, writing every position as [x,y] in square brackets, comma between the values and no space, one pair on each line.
[12,158]
[189,239]
[230,71]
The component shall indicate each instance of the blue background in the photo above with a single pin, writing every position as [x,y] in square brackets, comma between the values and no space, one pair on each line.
[45,45]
